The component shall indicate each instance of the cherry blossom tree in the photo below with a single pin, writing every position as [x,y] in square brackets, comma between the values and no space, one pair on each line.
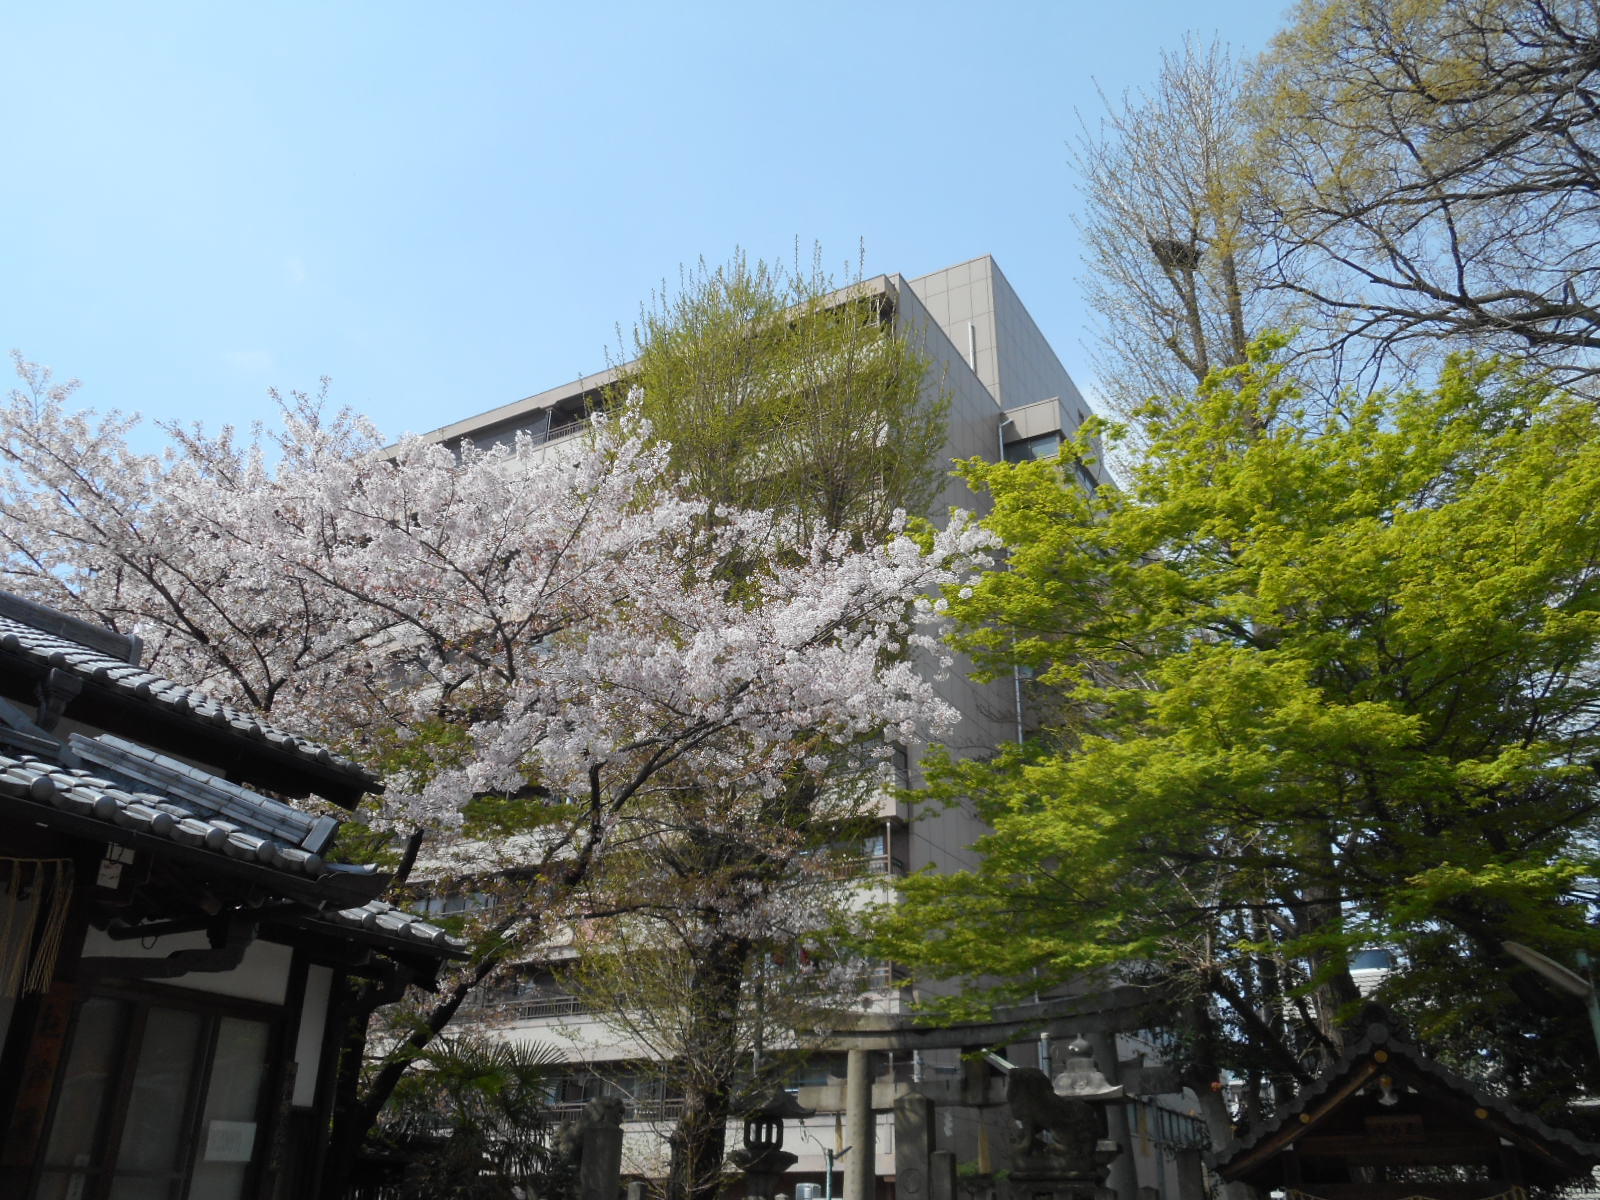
[567,638]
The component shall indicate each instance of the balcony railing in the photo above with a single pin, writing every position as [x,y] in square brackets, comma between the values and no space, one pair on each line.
[632,1110]
[1168,1129]
[557,433]
[539,1007]
[863,866]
[525,1008]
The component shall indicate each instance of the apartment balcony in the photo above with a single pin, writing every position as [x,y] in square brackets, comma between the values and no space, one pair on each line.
[866,866]
[557,432]
[883,864]
[542,1008]
[552,1005]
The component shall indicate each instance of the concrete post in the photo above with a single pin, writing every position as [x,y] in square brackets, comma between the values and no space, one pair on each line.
[1191,1177]
[941,1174]
[860,1178]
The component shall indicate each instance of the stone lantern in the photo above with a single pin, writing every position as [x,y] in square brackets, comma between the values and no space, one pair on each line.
[762,1158]
[1080,1079]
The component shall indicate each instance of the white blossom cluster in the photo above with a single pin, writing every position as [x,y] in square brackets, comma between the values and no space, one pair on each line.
[598,632]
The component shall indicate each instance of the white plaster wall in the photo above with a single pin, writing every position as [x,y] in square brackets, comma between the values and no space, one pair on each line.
[308,1041]
[263,974]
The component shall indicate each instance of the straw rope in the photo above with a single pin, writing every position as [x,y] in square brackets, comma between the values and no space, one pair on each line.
[34,896]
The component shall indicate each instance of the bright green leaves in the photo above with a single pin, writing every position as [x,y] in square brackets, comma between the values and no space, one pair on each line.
[1301,687]
[776,390]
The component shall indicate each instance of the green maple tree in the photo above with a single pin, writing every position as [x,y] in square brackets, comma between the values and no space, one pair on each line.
[1303,688]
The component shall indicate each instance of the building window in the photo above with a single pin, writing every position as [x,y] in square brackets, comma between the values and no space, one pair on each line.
[1045,445]
[158,1101]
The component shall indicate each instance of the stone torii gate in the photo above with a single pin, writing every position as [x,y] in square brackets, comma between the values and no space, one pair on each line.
[1097,1016]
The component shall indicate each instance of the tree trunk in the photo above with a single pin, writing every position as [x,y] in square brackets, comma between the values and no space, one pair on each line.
[1324,910]
[1201,1074]
[699,1141]
[355,1115]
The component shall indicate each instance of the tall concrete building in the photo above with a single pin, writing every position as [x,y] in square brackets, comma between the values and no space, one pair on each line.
[1008,396]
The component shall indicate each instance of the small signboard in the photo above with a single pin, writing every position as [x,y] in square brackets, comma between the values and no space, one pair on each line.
[230,1141]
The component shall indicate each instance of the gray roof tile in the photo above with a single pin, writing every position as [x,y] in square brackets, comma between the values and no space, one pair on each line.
[43,782]
[54,650]
[40,781]
[379,916]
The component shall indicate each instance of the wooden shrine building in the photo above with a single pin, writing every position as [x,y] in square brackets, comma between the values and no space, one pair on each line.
[1385,1123]
[178,956]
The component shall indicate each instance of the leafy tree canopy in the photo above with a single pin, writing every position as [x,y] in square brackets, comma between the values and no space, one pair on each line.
[777,389]
[528,644]
[1311,687]
[1399,179]
[769,389]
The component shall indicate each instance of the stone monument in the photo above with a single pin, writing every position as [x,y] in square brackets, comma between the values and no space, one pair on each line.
[592,1145]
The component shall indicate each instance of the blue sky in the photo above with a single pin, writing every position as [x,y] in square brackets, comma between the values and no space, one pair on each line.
[447,207]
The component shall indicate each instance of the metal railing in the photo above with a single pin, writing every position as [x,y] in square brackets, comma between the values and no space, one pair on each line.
[525,1008]
[884,864]
[537,1008]
[632,1110]
[861,866]
[557,433]
[885,975]
[1168,1129]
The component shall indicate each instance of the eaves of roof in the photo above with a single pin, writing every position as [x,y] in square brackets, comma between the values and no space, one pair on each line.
[133,685]
[380,922]
[77,802]
[1243,1155]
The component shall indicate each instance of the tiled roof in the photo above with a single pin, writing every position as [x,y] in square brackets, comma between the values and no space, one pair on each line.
[89,796]
[380,918]
[204,793]
[135,682]
[1379,1035]
[83,794]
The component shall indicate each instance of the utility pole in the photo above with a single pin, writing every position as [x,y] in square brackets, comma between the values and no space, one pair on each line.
[832,1156]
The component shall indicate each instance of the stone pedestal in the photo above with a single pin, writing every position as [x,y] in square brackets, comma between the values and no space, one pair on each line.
[762,1171]
[913,1147]
[1059,1147]
[594,1140]
[1025,1185]
[1048,1174]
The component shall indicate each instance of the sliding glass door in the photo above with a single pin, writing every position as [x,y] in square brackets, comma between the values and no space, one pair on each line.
[159,1100]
